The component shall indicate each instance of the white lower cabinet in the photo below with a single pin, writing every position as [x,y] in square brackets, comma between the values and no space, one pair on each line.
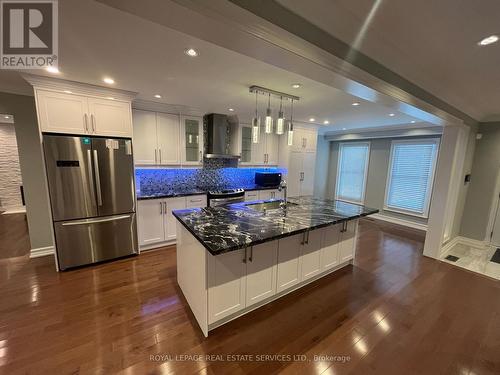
[252,195]
[261,272]
[347,244]
[330,244]
[311,255]
[289,262]
[267,194]
[155,222]
[226,284]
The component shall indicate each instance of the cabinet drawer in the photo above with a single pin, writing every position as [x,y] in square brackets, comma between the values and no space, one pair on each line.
[251,195]
[196,201]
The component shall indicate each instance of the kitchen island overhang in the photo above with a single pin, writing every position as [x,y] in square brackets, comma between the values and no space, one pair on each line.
[233,259]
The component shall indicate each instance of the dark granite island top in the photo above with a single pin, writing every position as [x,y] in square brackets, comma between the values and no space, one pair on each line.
[232,227]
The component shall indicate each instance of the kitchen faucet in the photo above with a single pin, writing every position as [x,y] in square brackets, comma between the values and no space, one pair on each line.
[281,187]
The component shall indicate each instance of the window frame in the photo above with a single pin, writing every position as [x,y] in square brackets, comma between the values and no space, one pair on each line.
[365,177]
[430,183]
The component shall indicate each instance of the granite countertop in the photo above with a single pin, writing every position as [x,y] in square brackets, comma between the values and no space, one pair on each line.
[185,193]
[232,227]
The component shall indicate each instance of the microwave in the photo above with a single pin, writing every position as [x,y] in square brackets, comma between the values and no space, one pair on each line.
[267,179]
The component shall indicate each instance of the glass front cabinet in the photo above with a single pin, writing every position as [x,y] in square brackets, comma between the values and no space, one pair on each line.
[192,136]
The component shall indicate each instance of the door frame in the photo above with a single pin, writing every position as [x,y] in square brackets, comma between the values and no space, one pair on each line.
[495,206]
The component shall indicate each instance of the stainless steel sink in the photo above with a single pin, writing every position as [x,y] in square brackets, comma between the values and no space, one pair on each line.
[273,205]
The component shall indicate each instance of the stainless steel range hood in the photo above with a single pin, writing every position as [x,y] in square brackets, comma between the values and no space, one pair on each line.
[220,136]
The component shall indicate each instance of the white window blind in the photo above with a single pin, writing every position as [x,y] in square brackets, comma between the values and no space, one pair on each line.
[411,174]
[352,170]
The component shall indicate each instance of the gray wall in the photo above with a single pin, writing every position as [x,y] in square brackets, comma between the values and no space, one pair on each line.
[378,168]
[32,168]
[481,192]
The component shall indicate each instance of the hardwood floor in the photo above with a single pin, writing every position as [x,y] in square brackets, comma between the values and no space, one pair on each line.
[393,312]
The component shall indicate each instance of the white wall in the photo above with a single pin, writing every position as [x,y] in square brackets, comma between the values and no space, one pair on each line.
[10,170]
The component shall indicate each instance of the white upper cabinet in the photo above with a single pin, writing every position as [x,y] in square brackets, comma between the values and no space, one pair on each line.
[246,145]
[110,117]
[265,152]
[168,138]
[79,114]
[272,148]
[192,140]
[145,146]
[62,113]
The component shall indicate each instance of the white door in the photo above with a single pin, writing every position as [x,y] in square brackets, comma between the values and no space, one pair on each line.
[330,247]
[251,195]
[145,148]
[63,113]
[261,272]
[289,262]
[226,284]
[311,255]
[294,176]
[192,140]
[110,117]
[495,238]
[170,220]
[150,221]
[308,165]
[348,241]
[168,129]
[272,148]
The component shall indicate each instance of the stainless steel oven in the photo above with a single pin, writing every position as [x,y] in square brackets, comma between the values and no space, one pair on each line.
[223,197]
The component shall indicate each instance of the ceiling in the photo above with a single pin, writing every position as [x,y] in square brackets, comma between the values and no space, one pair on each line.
[431,43]
[148,58]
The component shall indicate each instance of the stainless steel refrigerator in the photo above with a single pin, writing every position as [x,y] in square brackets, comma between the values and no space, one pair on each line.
[92,194]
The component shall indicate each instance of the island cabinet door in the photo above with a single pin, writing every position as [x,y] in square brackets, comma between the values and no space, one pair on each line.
[330,243]
[311,254]
[150,220]
[289,251]
[226,284]
[348,240]
[261,272]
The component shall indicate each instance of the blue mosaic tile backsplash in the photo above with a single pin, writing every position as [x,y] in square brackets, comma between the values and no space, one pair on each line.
[164,181]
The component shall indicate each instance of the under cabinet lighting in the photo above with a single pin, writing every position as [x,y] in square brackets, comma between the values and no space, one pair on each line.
[355,104]
[326,122]
[312,119]
[392,114]
[296,85]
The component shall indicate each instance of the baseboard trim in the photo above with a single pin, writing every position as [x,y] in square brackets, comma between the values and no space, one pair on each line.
[42,251]
[156,245]
[395,220]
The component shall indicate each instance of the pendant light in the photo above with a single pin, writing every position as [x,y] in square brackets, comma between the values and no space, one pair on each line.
[290,127]
[269,119]
[280,124]
[256,123]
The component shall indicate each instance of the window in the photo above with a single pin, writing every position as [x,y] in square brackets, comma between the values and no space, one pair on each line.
[411,174]
[352,171]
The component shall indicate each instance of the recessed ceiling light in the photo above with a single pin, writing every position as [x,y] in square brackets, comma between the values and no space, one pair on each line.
[312,119]
[488,40]
[296,85]
[392,114]
[7,117]
[110,98]
[326,122]
[52,69]
[191,52]
[108,80]
[344,129]
[413,121]
[355,104]
[68,92]
[231,109]
[158,96]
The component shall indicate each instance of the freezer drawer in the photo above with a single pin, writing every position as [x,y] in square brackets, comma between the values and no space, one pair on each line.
[87,241]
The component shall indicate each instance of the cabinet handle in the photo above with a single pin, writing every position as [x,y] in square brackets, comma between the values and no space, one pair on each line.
[251,254]
[92,122]
[201,156]
[307,238]
[195,200]
[161,208]
[305,142]
[156,158]
[165,208]
[86,119]
[245,256]
[303,238]
[159,152]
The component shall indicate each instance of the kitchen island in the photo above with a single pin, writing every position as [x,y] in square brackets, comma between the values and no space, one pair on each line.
[235,258]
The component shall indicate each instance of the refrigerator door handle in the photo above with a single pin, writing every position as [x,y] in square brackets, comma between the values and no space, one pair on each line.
[93,221]
[97,179]
[91,175]
[86,119]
